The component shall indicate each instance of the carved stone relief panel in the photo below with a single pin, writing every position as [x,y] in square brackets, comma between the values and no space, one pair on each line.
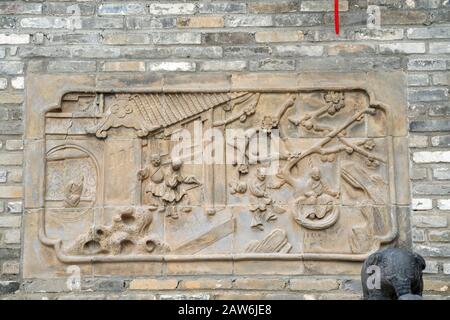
[269,168]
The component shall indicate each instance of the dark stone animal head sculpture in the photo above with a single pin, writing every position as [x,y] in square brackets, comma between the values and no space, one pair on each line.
[393,274]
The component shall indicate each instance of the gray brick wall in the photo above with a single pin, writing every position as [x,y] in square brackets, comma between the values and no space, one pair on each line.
[213,36]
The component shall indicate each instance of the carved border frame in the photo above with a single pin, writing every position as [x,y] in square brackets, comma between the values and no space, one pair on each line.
[44,93]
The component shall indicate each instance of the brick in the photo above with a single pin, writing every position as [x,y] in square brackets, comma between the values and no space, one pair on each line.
[426,64]
[150,22]
[110,285]
[3,83]
[403,48]
[72,66]
[428,33]
[177,38]
[10,267]
[345,64]
[124,38]
[374,34]
[442,79]
[428,95]
[197,52]
[18,83]
[273,7]
[322,5]
[446,268]
[14,207]
[431,189]
[439,236]
[45,23]
[297,20]
[422,204]
[3,176]
[439,110]
[8,22]
[73,38]
[313,284]
[246,51]
[272,65]
[200,22]
[299,50]
[124,66]
[444,204]
[11,67]
[431,157]
[198,284]
[436,250]
[10,222]
[11,192]
[14,38]
[418,141]
[436,285]
[172,8]
[351,49]
[441,173]
[96,52]
[171,66]
[233,38]
[397,17]
[82,9]
[248,21]
[259,284]
[418,173]
[121,9]
[102,23]
[418,235]
[418,79]
[439,48]
[14,145]
[223,65]
[429,125]
[429,221]
[12,7]
[432,267]
[279,36]
[222,7]
[153,284]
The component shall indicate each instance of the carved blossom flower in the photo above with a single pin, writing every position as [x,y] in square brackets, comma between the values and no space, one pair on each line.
[335,101]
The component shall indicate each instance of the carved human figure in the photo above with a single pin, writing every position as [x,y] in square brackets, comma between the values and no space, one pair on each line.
[319,196]
[166,185]
[73,193]
[262,205]
[154,186]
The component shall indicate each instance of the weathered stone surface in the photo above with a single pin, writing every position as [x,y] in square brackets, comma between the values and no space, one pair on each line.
[165,215]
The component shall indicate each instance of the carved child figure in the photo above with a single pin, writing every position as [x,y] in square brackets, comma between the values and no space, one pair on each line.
[154,186]
[166,186]
[260,208]
[319,195]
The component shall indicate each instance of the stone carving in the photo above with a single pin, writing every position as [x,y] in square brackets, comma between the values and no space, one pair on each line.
[274,242]
[128,234]
[113,189]
[263,206]
[73,193]
[393,274]
[316,209]
[166,185]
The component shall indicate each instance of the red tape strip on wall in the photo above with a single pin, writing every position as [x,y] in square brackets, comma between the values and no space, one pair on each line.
[336,16]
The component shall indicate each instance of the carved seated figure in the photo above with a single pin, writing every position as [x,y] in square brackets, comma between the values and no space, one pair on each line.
[320,198]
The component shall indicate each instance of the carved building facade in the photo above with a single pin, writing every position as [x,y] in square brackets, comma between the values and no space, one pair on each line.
[153,180]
